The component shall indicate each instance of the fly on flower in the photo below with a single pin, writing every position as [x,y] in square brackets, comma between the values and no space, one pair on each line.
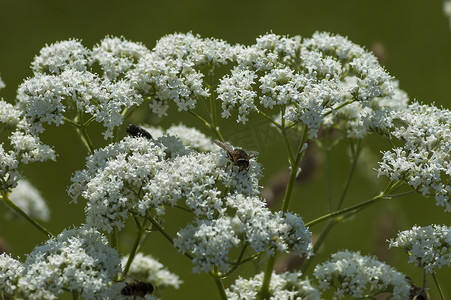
[136,131]
[238,157]
[137,289]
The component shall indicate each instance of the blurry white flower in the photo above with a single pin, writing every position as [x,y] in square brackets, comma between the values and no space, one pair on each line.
[351,274]
[190,137]
[428,247]
[2,84]
[148,269]
[29,199]
[447,9]
[285,286]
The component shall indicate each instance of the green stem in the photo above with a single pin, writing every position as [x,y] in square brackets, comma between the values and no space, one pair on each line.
[442,295]
[264,292]
[85,136]
[294,165]
[319,241]
[356,207]
[294,172]
[338,107]
[219,284]
[113,239]
[139,233]
[355,159]
[26,216]
[236,264]
[329,179]
[215,129]
[75,296]
[270,119]
[165,234]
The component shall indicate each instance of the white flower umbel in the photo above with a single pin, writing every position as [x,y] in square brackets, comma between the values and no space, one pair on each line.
[137,175]
[269,231]
[355,275]
[26,149]
[29,199]
[10,272]
[117,56]
[423,159]
[285,286]
[78,260]
[9,115]
[304,79]
[142,177]
[29,148]
[428,247]
[60,56]
[9,175]
[47,99]
[148,269]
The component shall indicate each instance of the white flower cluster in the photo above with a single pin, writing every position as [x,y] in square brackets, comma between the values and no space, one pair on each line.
[10,272]
[148,269]
[423,160]
[285,286]
[141,177]
[78,260]
[190,137]
[428,247]
[29,199]
[306,79]
[26,149]
[352,274]
[9,115]
[172,72]
[63,86]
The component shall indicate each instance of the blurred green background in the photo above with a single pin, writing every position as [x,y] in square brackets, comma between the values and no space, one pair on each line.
[416,39]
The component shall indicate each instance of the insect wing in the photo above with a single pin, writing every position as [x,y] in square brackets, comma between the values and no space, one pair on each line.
[253,154]
[224,146]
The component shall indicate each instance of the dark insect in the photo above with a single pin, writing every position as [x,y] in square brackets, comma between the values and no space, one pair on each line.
[137,289]
[136,131]
[416,292]
[238,157]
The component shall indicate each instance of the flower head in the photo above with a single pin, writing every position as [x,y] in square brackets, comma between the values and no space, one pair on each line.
[142,177]
[28,198]
[352,274]
[283,286]
[422,161]
[78,260]
[10,272]
[306,79]
[148,269]
[428,247]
